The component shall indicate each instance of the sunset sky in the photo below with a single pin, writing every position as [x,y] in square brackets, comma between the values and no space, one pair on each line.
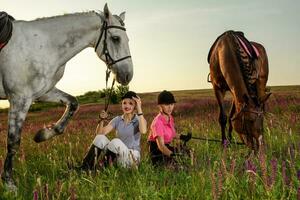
[169,40]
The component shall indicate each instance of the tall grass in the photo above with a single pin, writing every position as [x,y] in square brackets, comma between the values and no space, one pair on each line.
[41,170]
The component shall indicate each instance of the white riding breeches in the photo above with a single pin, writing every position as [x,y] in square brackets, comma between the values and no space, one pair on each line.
[125,157]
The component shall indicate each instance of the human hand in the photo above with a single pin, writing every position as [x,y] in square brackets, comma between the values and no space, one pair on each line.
[103,115]
[138,103]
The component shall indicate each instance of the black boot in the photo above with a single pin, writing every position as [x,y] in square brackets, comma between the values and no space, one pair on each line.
[91,158]
[110,158]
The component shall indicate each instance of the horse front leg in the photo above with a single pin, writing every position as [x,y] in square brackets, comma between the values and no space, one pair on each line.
[17,114]
[230,127]
[56,95]
[222,116]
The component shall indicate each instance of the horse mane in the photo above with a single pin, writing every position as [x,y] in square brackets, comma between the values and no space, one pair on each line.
[99,13]
[67,14]
[247,67]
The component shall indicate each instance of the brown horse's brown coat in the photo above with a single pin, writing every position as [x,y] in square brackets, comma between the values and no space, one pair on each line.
[226,75]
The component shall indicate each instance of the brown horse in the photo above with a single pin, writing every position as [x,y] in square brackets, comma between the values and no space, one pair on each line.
[243,72]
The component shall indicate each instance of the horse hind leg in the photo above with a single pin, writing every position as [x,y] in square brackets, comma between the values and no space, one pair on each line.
[17,114]
[56,95]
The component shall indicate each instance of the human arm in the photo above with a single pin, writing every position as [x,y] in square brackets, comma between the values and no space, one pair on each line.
[141,119]
[101,129]
[162,147]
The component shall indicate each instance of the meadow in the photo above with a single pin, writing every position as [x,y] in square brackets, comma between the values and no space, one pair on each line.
[41,170]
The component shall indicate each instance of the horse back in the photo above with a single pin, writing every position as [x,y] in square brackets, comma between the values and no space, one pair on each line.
[224,63]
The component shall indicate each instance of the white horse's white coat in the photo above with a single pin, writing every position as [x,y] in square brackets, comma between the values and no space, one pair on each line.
[34,60]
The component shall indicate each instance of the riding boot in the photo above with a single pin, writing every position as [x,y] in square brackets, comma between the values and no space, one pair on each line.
[110,158]
[91,158]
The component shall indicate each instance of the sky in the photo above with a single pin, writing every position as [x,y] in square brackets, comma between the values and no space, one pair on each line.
[170,39]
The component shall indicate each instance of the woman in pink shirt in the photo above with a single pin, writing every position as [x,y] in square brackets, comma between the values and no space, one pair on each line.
[162,130]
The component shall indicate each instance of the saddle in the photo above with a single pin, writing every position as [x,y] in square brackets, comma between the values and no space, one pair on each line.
[246,45]
[6,28]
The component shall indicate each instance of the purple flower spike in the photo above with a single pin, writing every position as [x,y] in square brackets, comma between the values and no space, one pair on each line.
[298,175]
[35,195]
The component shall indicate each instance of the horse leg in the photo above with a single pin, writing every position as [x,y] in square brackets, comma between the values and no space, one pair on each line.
[56,95]
[17,114]
[232,111]
[222,116]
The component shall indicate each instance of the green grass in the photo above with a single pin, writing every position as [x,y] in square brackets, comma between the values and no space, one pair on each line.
[216,173]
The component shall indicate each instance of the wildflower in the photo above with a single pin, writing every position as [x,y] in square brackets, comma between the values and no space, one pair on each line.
[46,191]
[213,186]
[284,175]
[232,166]
[220,183]
[251,169]
[263,166]
[72,193]
[274,171]
[35,195]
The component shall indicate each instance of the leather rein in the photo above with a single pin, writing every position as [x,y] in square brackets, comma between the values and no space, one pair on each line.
[109,61]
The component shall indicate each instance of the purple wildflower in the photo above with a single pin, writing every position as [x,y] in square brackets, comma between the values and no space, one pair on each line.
[284,175]
[220,183]
[213,186]
[263,166]
[35,195]
[298,175]
[232,166]
[251,169]
[274,171]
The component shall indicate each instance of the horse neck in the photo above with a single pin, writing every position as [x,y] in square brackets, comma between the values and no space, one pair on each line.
[70,34]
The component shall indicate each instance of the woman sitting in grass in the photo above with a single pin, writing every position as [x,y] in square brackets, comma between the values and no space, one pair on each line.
[125,148]
[162,131]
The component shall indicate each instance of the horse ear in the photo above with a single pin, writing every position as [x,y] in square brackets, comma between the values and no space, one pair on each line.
[107,13]
[122,16]
[265,97]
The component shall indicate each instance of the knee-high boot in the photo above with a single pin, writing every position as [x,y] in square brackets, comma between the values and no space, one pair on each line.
[91,158]
[110,158]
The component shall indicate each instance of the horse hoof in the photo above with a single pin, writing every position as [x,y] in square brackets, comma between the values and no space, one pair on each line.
[44,134]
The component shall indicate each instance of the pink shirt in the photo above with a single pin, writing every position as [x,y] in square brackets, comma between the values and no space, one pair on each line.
[161,127]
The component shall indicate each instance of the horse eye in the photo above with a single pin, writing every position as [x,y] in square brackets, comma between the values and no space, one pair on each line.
[115,39]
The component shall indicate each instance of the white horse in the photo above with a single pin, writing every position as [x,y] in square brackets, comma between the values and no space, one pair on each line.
[34,60]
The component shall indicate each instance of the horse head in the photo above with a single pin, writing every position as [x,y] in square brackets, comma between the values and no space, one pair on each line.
[112,46]
[248,120]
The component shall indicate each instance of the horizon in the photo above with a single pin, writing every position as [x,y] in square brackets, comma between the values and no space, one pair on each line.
[170,41]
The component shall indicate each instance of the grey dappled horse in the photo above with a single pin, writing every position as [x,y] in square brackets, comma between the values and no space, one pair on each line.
[34,61]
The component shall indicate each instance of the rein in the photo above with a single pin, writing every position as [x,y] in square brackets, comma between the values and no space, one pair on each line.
[108,59]
[213,140]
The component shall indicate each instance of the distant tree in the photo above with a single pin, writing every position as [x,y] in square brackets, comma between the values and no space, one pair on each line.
[115,94]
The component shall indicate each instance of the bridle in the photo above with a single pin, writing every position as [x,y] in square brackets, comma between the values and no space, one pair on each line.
[109,61]
[242,111]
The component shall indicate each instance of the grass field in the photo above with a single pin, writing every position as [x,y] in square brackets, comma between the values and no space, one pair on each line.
[41,170]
